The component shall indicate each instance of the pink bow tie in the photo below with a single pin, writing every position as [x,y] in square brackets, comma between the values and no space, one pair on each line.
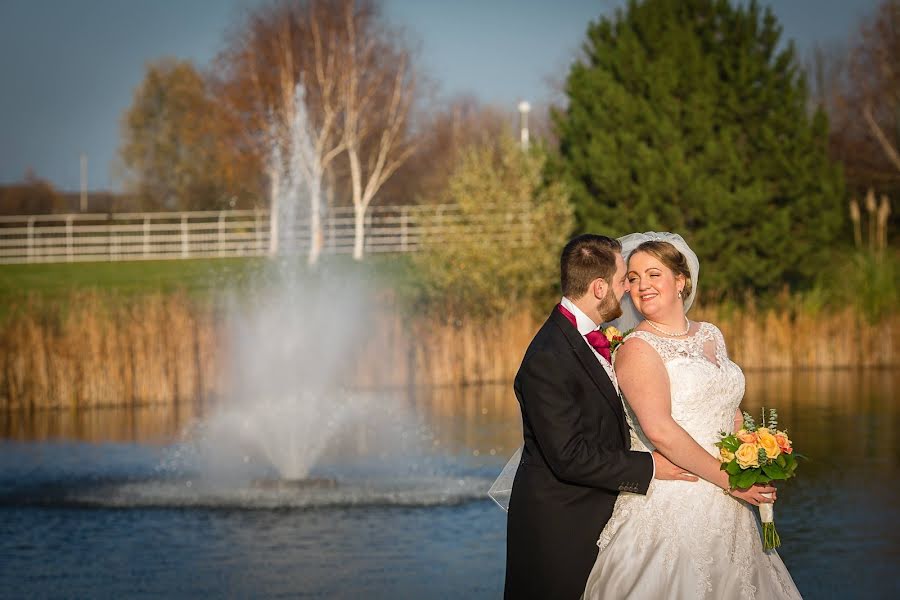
[595,338]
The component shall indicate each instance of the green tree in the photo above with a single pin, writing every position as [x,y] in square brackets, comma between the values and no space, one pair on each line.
[690,116]
[176,143]
[503,250]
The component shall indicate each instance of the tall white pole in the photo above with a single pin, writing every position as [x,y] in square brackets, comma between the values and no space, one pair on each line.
[524,109]
[84,164]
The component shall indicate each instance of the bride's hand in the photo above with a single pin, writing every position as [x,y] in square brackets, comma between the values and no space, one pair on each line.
[754,494]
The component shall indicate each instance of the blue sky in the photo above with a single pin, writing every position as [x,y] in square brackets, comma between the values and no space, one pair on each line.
[68,68]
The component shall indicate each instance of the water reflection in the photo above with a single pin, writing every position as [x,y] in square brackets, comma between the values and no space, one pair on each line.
[839,521]
[845,413]
[151,424]
[479,421]
[835,417]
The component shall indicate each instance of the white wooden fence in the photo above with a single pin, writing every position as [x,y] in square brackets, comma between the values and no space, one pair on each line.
[230,233]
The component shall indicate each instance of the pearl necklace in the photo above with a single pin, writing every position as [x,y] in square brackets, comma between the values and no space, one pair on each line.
[664,332]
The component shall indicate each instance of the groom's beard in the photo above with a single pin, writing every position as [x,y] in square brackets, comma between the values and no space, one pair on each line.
[609,308]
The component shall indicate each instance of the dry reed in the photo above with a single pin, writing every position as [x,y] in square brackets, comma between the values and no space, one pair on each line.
[167,350]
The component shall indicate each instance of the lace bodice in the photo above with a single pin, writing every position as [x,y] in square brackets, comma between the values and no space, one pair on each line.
[705,386]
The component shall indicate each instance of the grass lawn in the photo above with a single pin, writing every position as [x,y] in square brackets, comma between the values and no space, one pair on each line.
[196,277]
[58,279]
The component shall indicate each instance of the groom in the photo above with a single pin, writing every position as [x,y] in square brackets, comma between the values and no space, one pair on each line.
[576,456]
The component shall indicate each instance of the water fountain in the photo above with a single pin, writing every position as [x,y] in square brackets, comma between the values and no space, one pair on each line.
[292,428]
[293,431]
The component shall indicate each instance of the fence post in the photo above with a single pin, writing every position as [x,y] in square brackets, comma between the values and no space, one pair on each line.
[30,251]
[146,237]
[110,240]
[404,229]
[331,217]
[185,250]
[221,233]
[256,222]
[69,257]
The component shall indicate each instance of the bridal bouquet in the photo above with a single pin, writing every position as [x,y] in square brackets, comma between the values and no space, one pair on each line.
[758,454]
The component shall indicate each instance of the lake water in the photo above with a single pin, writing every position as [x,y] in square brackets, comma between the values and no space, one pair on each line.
[122,503]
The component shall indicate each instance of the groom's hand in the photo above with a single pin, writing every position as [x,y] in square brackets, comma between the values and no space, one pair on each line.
[666,469]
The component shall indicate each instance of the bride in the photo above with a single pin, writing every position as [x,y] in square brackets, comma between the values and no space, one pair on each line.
[682,539]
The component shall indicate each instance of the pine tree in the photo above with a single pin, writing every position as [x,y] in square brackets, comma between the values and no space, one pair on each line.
[690,116]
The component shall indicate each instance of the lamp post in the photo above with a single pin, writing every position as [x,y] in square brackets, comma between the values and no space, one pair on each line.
[524,109]
[84,197]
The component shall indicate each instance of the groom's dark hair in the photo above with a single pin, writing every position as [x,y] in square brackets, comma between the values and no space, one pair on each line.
[584,259]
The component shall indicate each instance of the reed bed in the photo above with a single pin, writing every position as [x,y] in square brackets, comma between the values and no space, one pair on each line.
[805,340]
[90,352]
[168,349]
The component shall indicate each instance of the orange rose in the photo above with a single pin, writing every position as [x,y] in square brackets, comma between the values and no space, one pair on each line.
[783,442]
[768,443]
[747,456]
[747,437]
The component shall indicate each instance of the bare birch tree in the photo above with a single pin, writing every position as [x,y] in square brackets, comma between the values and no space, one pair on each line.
[377,94]
[861,92]
[283,69]
[880,52]
[357,90]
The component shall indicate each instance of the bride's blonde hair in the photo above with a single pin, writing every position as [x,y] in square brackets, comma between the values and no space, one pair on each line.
[671,258]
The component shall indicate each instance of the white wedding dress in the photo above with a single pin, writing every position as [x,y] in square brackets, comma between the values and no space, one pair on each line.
[684,539]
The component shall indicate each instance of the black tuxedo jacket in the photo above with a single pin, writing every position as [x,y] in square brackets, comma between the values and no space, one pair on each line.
[575,462]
